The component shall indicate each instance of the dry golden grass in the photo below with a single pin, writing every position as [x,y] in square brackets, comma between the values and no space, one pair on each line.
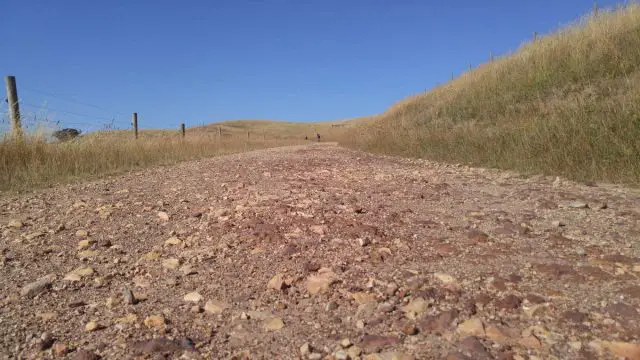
[566,104]
[35,163]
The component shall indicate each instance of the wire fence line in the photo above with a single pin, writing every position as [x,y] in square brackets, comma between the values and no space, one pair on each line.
[43,117]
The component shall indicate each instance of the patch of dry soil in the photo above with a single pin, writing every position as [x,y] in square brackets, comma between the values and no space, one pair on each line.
[319,252]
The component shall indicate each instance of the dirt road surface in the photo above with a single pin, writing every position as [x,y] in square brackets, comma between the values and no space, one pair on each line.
[317,252]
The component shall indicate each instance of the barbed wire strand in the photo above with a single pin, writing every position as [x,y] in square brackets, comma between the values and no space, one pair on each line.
[65,111]
[67,99]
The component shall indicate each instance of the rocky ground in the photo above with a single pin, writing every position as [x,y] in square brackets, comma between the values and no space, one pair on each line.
[319,252]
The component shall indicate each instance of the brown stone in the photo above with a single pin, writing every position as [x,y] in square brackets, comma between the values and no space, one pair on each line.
[575,316]
[473,347]
[438,323]
[376,343]
[535,299]
[476,237]
[509,302]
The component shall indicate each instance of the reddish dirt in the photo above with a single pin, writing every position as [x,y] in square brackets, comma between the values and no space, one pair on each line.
[322,253]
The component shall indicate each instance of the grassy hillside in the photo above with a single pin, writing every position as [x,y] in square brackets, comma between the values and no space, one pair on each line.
[566,104]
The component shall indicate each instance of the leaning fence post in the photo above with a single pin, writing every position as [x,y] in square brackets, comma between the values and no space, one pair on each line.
[14,107]
[135,125]
[182,129]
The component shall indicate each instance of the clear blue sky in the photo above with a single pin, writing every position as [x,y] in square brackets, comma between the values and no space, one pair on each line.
[206,61]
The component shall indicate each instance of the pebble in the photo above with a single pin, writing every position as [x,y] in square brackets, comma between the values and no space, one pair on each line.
[364,241]
[273,324]
[305,349]
[156,322]
[580,251]
[171,263]
[46,341]
[163,216]
[215,306]
[59,349]
[345,343]
[16,224]
[34,288]
[92,326]
[471,327]
[127,296]
[82,233]
[277,282]
[578,205]
[193,297]
[173,241]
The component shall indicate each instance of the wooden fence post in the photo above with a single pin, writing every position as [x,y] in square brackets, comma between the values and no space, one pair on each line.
[135,125]
[182,129]
[14,107]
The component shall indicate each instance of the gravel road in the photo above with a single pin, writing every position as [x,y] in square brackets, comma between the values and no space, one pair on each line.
[319,252]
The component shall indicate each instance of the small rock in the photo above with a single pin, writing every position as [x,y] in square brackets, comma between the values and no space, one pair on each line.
[318,229]
[127,296]
[360,324]
[163,216]
[509,302]
[362,298]
[38,286]
[187,270]
[85,355]
[46,341]
[92,326]
[82,233]
[215,306]
[578,205]
[558,223]
[59,349]
[626,350]
[345,343]
[321,282]
[477,237]
[193,297]
[472,346]
[340,355]
[84,244]
[173,241]
[305,349]
[472,327]
[277,282]
[416,308]
[156,322]
[354,352]
[87,254]
[311,266]
[580,251]
[375,343]
[314,356]
[171,263]
[16,224]
[409,329]
[196,309]
[273,324]
[364,241]
[445,278]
